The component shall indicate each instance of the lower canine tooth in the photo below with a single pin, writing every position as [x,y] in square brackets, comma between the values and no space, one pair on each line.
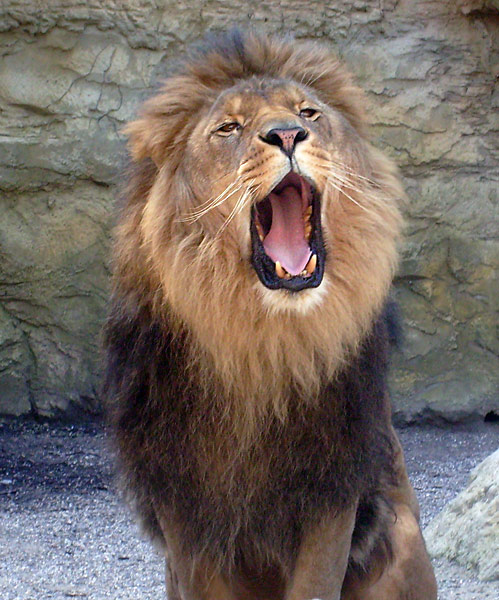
[259,230]
[312,263]
[279,270]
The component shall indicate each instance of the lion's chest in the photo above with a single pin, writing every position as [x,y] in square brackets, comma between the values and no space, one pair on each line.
[312,457]
[261,491]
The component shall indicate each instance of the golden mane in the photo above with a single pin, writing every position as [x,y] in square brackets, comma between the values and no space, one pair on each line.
[195,276]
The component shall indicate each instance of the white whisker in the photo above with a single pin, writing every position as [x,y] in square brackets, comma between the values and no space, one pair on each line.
[329,172]
[341,189]
[346,181]
[212,203]
[237,207]
[339,180]
[351,171]
[208,202]
[248,195]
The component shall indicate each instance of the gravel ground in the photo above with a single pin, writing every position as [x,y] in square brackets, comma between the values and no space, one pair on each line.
[64,532]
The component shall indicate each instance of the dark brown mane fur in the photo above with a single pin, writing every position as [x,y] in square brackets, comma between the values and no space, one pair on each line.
[173,441]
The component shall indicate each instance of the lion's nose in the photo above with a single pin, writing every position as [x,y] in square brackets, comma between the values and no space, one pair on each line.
[286,139]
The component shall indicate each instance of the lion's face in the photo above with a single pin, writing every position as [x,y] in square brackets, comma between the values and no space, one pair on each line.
[270,141]
[262,161]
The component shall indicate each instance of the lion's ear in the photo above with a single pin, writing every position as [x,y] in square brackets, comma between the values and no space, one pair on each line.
[165,120]
[152,133]
[146,139]
[160,131]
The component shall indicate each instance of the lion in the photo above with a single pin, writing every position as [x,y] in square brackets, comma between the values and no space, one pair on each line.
[248,337]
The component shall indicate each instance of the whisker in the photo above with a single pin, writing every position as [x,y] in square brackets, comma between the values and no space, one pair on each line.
[344,179]
[338,182]
[342,191]
[236,209]
[248,195]
[211,200]
[346,169]
[329,172]
[211,204]
[351,171]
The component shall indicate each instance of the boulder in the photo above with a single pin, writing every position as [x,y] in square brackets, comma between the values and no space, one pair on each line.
[467,530]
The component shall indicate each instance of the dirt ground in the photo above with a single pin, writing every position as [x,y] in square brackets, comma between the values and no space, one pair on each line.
[65,533]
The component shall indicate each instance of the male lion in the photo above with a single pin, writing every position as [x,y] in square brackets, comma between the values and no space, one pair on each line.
[248,337]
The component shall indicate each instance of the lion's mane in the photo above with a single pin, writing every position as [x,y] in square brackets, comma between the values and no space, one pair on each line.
[203,377]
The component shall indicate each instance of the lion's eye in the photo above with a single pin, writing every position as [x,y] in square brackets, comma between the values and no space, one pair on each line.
[227,128]
[309,113]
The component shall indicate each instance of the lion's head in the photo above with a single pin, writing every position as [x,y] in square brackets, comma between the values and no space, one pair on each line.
[261,218]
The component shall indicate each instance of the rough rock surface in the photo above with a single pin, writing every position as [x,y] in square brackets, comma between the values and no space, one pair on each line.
[73,72]
[467,530]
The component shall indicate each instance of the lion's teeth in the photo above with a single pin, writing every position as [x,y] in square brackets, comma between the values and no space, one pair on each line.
[312,263]
[259,230]
[308,211]
[308,230]
[279,270]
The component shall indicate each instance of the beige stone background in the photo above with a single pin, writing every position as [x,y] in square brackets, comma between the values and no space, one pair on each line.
[72,72]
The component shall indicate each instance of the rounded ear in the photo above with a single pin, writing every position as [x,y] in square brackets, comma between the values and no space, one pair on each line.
[140,144]
[164,121]
[151,134]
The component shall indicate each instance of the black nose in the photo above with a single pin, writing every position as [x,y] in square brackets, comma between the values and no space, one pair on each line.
[286,139]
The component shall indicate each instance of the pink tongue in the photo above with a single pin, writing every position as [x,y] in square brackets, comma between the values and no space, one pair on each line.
[286,241]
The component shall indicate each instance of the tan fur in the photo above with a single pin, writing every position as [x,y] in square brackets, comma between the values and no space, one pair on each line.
[322,559]
[183,255]
[410,576]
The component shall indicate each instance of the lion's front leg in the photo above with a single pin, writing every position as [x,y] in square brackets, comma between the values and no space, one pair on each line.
[172,591]
[410,575]
[322,559]
[188,578]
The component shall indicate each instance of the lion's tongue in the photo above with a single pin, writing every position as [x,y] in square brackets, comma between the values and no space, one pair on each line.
[285,242]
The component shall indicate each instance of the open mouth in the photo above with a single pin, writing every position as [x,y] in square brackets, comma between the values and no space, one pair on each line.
[286,236]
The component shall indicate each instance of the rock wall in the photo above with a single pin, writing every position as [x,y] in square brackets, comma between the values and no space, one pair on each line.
[73,72]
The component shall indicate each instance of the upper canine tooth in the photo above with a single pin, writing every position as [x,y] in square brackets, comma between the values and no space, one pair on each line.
[259,230]
[312,263]
[279,270]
